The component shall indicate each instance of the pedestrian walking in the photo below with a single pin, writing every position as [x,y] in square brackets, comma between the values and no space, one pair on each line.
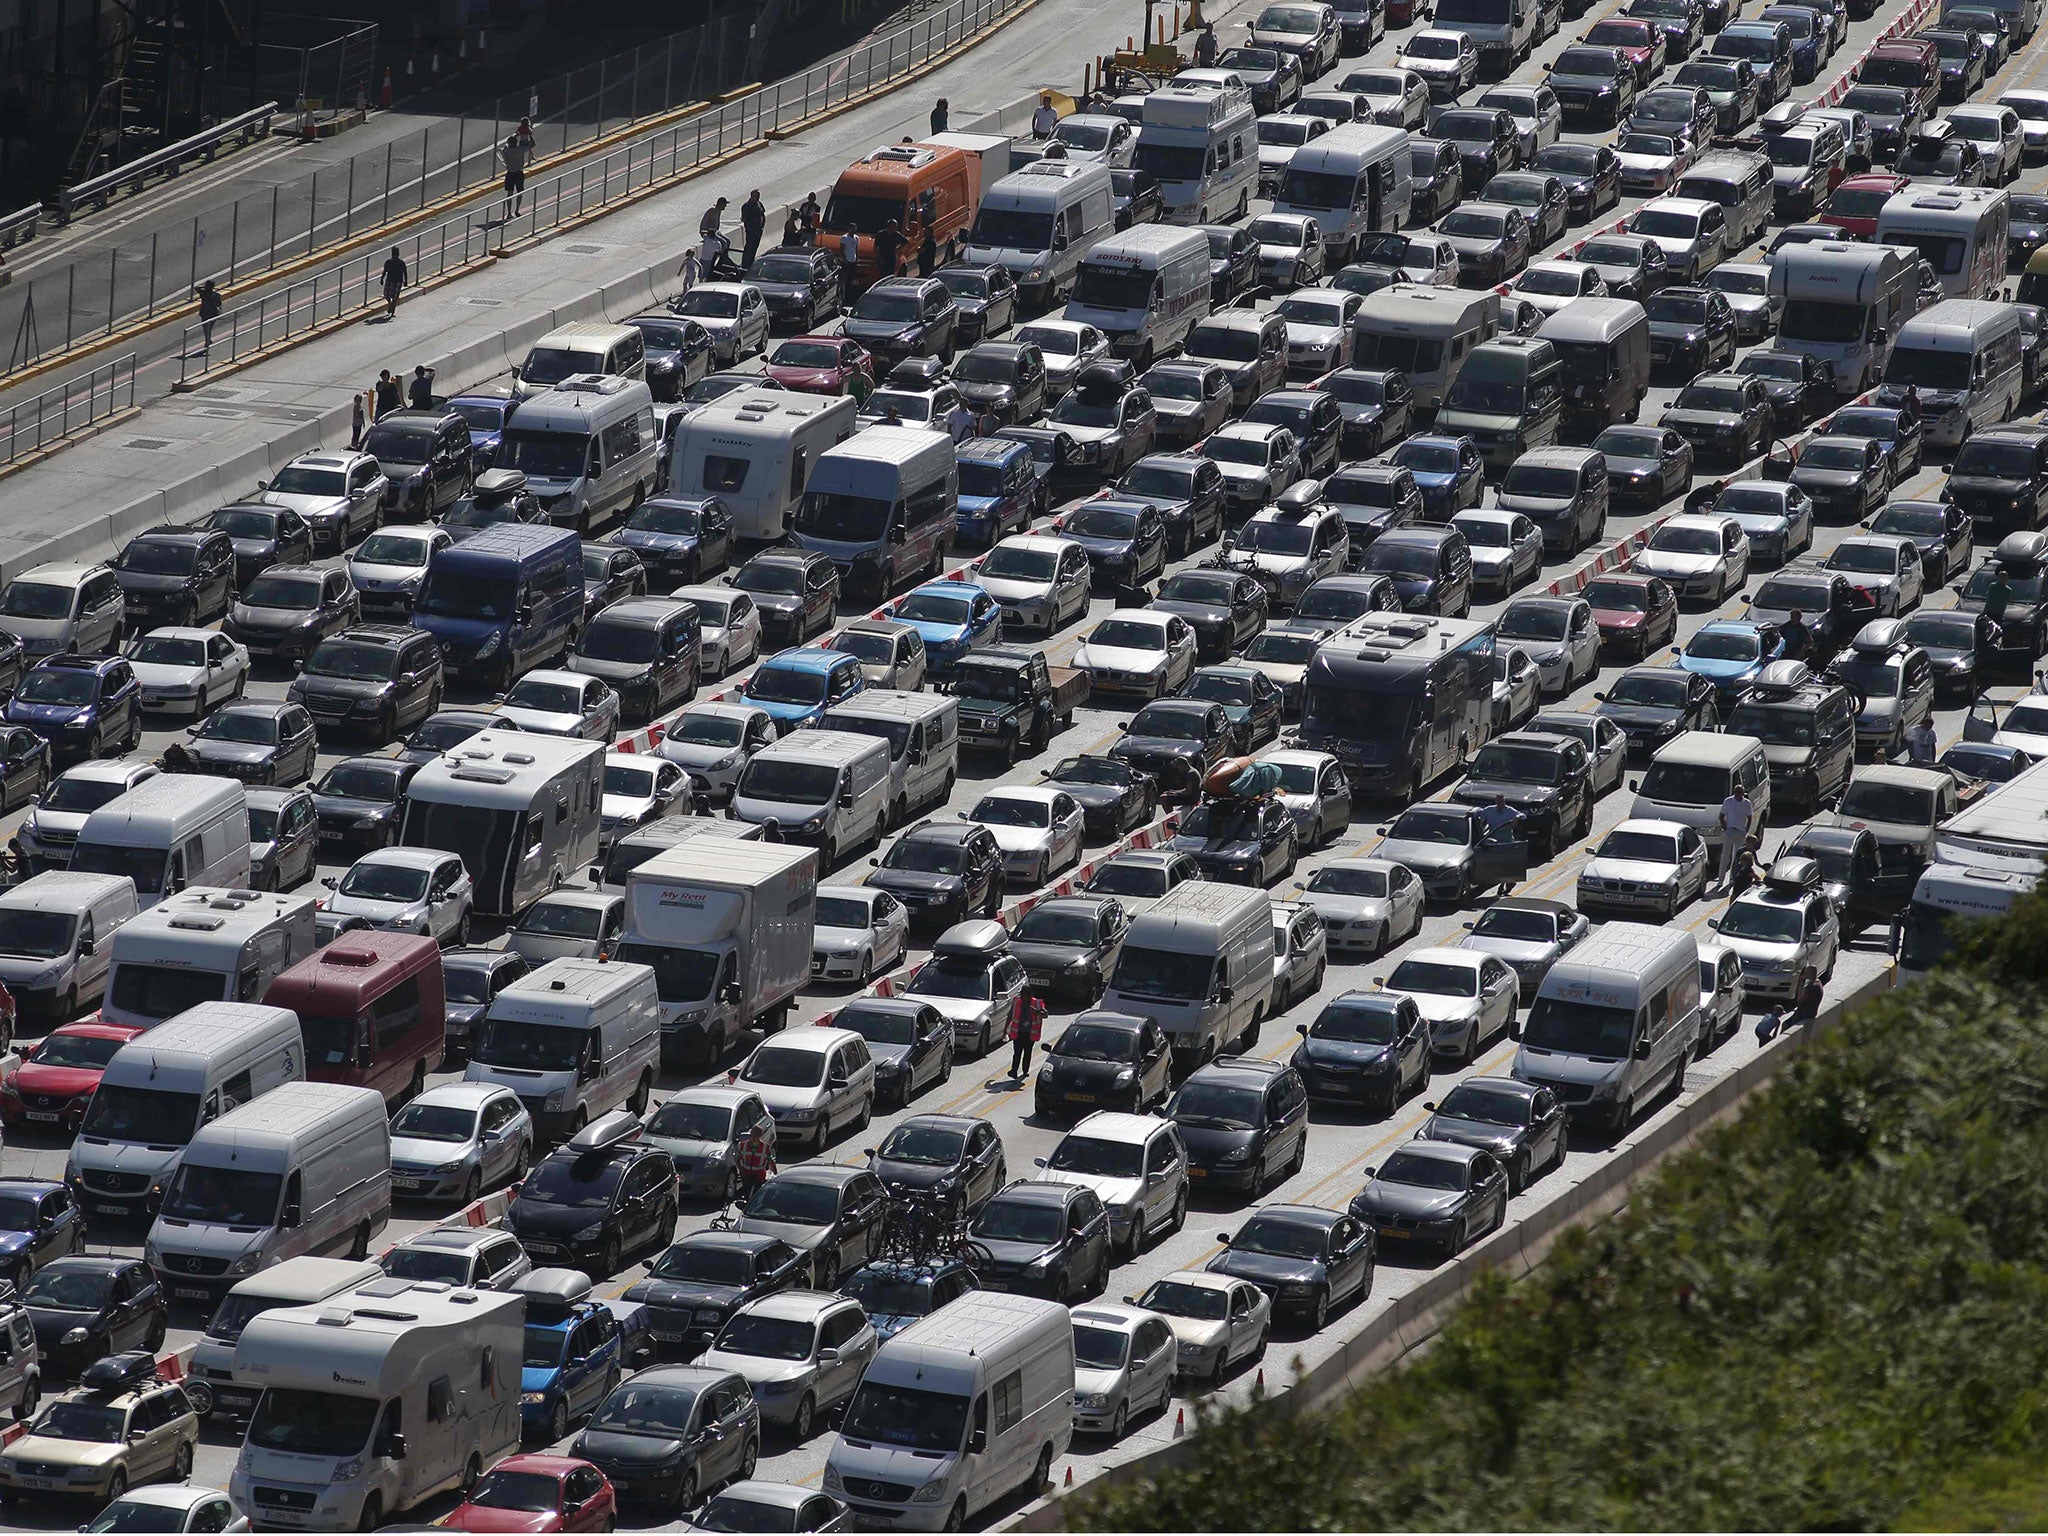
[792,231]
[927,255]
[388,396]
[888,250]
[1205,48]
[513,155]
[940,114]
[1920,744]
[755,1156]
[1798,641]
[753,220]
[692,269]
[1503,824]
[1045,118]
[355,421]
[1027,1023]
[420,393]
[1736,813]
[394,282]
[210,305]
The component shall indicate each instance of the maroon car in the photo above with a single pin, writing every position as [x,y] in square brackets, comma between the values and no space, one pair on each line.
[1636,614]
[822,365]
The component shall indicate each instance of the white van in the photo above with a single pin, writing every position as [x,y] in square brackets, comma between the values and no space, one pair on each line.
[204,946]
[1038,223]
[587,448]
[827,788]
[612,351]
[1963,358]
[1202,146]
[957,1411]
[1201,963]
[883,505]
[1144,289]
[1425,332]
[574,1039]
[1352,181]
[1738,180]
[170,831]
[1960,230]
[160,1088]
[1694,772]
[210,1376]
[1614,1023]
[753,449]
[923,733]
[56,931]
[374,1400]
[636,845]
[1844,302]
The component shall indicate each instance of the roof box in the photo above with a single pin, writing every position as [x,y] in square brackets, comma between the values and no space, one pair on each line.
[606,1132]
[977,939]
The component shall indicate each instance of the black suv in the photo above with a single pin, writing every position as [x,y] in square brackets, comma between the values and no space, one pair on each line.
[377,680]
[426,455]
[1808,728]
[176,575]
[1547,778]
[596,1199]
[1044,1239]
[796,590]
[905,317]
[1007,377]
[943,871]
[1243,1120]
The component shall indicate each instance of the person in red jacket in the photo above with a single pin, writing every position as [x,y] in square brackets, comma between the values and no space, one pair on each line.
[1027,1023]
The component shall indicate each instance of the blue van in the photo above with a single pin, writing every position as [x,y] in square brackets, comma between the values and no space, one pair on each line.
[797,686]
[504,600]
[1000,492]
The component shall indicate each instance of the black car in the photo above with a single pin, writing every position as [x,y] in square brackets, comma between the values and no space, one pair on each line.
[426,457]
[1190,399]
[1233,262]
[903,317]
[1376,405]
[1244,1120]
[1315,419]
[1591,174]
[705,1277]
[596,1199]
[1956,643]
[1727,417]
[1069,944]
[1125,540]
[797,592]
[1006,377]
[1654,704]
[1799,386]
[1941,530]
[802,286]
[176,575]
[678,353]
[1370,1049]
[679,539]
[1105,1060]
[1546,778]
[1521,1124]
[2000,477]
[1134,198]
[910,1041]
[1114,797]
[1043,1239]
[283,615]
[1850,858]
[1253,701]
[84,1309]
[1187,490]
[956,1160]
[360,801]
[262,537]
[1225,608]
[2028,231]
[470,979]
[1692,331]
[610,573]
[986,297]
[1646,466]
[831,1211]
[943,871]
[1177,741]
[1244,842]
[1306,1259]
[672,1433]
[1435,1193]
[377,681]
[1337,600]
[447,729]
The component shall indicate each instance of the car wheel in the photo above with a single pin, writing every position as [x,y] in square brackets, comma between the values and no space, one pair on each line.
[25,1407]
[1120,1421]
[372,1515]
[686,1492]
[608,1255]
[800,1426]
[1180,1211]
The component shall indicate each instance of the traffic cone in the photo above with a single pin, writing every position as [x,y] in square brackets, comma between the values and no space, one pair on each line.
[1259,1384]
[1070,1475]
[1180,1422]
[384,96]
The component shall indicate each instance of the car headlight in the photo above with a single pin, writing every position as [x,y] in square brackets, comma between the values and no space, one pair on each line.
[349,1470]
[86,1474]
[533,1397]
[557,1099]
[490,647]
[929,1493]
[833,1484]
[247,1264]
[1234,1156]
[78,1336]
[1297,1288]
[589,1234]
[778,1388]
[1092,1402]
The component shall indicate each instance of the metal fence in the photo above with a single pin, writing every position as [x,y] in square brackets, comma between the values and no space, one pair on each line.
[352,286]
[70,407]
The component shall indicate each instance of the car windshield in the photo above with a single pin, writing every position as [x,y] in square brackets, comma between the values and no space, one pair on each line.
[361,781]
[259,526]
[1435,978]
[1685,783]
[1128,635]
[1421,824]
[776,1066]
[529,1046]
[948,976]
[280,589]
[394,549]
[646,1408]
[1285,131]
[1592,1030]
[1121,878]
[1289,1239]
[1639,847]
[562,920]
[422,1121]
[1143,972]
[378,881]
[1181,1298]
[1474,224]
[229,1197]
[1096,1156]
[933,1146]
[922,856]
[1596,63]
[767,1338]
[1097,1042]
[1655,690]
[1051,925]
[1900,803]
[573,1181]
[1364,1019]
[155,557]
[1871,559]
[1349,880]
[1765,922]
[86,1052]
[1216,1106]
[701,730]
[245,728]
[778,578]
[1611,253]
[1790,149]
[1944,628]
[1725,645]
[99,1423]
[1842,456]
[1518,765]
[1489,1106]
[1533,621]
[1282,650]
[1561,281]
[1020,1221]
[1518,923]
[1676,539]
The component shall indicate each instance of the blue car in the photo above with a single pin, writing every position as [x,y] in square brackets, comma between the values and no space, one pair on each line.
[39,1222]
[796,687]
[952,617]
[1807,28]
[485,414]
[83,706]
[1448,471]
[1000,491]
[1732,653]
[680,539]
[576,1351]
[898,1294]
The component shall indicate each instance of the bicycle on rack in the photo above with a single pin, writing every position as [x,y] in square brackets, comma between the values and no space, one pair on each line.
[921,1228]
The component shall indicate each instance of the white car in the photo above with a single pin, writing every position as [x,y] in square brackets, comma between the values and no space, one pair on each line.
[410,890]
[338,491]
[1099,137]
[1651,163]
[1141,878]
[1517,688]
[1290,249]
[1467,997]
[861,930]
[480,1258]
[1316,792]
[1722,993]
[1538,115]
[812,1080]
[2032,107]
[1280,135]
[1886,565]
[1307,29]
[1319,329]
[1041,581]
[556,703]
[1365,903]
[1038,827]
[1398,97]
[569,925]
[1550,285]
[169,1507]
[1067,346]
[389,566]
[735,314]
[1217,1320]
[730,626]
[1605,742]
[50,831]
[1258,460]
[1646,869]
[1507,548]
[1702,555]
[1560,635]
[1746,285]
[1995,131]
[457,1140]
[640,787]
[1692,233]
[1124,1363]
[715,742]
[1138,653]
[1782,930]
[1301,951]
[910,408]
[188,670]
[1448,62]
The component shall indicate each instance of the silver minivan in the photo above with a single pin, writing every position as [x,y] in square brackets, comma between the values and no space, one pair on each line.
[64,608]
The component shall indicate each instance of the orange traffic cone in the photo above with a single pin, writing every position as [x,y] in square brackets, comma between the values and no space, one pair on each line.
[384,96]
[1259,1384]
[1180,1423]
[1070,1476]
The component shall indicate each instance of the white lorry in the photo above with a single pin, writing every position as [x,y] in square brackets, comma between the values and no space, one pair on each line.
[1987,857]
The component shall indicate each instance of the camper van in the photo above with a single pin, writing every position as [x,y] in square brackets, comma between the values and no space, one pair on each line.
[1352,181]
[882,505]
[374,1400]
[574,1039]
[587,448]
[503,601]
[1202,146]
[56,934]
[1962,358]
[1038,224]
[1844,302]
[958,1411]
[372,1011]
[1425,332]
[1508,398]
[204,945]
[596,347]
[1960,230]
[523,812]
[1201,963]
[1144,289]
[1604,346]
[210,1377]
[753,449]
[170,831]
[160,1088]
[923,733]
[829,789]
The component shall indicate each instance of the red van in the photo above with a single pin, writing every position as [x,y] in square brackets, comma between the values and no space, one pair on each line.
[372,1011]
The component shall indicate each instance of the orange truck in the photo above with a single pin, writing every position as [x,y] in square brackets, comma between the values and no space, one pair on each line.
[935,186]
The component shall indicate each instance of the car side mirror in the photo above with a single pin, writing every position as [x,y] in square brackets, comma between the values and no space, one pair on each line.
[732,993]
[829,1355]
[1642,1049]
[392,1447]
[1635,787]
[88,946]
[1301,1030]
[292,1214]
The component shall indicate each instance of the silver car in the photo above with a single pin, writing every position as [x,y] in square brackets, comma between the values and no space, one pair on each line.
[1124,1360]
[340,494]
[1365,903]
[1528,933]
[455,1141]
[803,1353]
[701,1129]
[484,1258]
[411,890]
[50,830]
[717,741]
[1137,1168]
[582,925]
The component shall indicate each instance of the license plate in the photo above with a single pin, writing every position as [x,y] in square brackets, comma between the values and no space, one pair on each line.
[197,1292]
[46,1115]
[398,1183]
[1081,1098]
[111,1208]
[1386,1231]
[1198,1173]
[663,1336]
[39,1482]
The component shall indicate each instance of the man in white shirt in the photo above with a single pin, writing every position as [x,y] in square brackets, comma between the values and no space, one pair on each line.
[1736,812]
[1045,119]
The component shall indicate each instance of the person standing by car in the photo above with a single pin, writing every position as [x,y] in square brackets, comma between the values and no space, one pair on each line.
[1045,119]
[888,250]
[420,394]
[753,220]
[756,1158]
[1027,1023]
[1736,814]
[388,396]
[1920,744]
[1503,825]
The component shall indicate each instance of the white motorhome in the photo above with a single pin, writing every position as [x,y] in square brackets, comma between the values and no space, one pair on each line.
[1038,223]
[1960,230]
[1145,289]
[1964,360]
[201,946]
[1352,181]
[574,1039]
[1202,146]
[170,831]
[159,1089]
[1425,332]
[923,733]
[591,347]
[956,1412]
[376,1399]
[1844,302]
[587,447]
[1946,897]
[210,1376]
[523,811]
[753,449]
[1201,963]
[827,788]
[56,933]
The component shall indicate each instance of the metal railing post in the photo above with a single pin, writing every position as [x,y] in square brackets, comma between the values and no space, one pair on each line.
[312,213]
[152,272]
[385,216]
[348,212]
[423,165]
[271,261]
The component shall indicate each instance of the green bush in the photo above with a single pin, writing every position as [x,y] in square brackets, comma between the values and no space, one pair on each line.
[1825,1315]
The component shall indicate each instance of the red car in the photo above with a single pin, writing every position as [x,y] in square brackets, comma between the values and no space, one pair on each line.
[537,1493]
[1637,615]
[1857,199]
[58,1074]
[822,365]
[1640,39]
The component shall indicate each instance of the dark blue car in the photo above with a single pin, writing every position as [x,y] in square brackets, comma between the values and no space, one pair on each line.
[83,706]
[1000,491]
[39,1222]
[485,414]
[680,539]
[1448,471]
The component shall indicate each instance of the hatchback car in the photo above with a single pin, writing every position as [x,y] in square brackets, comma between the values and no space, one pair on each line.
[1043,1238]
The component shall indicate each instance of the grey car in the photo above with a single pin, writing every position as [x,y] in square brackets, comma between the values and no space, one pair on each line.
[1529,933]
[256,743]
[1308,1260]
[1437,1193]
[802,1352]
[1447,847]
